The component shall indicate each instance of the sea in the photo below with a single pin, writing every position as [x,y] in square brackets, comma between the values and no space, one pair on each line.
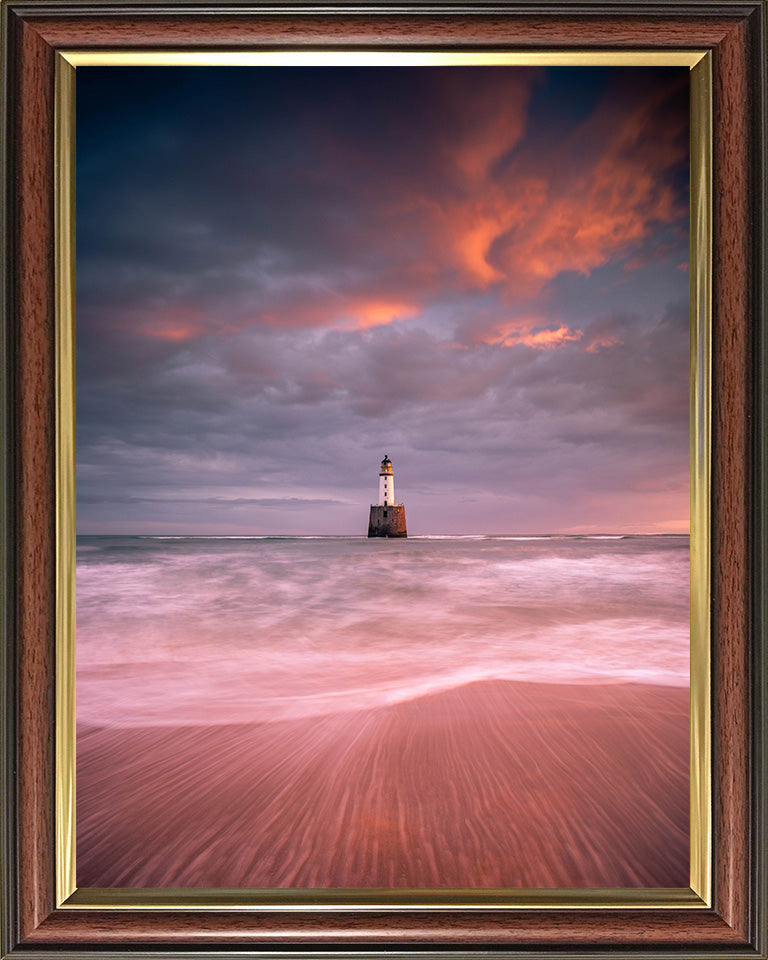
[214,630]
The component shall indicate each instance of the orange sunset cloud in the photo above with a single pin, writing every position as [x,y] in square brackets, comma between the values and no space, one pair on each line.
[521,229]
[530,333]
[378,313]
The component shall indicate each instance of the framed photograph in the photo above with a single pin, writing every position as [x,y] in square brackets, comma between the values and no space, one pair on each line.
[228,402]
[263,262]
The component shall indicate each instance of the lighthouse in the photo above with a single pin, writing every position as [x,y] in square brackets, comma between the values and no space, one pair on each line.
[387,518]
[386,483]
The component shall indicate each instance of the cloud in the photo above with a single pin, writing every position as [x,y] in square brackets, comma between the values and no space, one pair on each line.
[355,225]
[545,339]
[529,332]
[476,417]
[575,208]
[600,341]
[217,501]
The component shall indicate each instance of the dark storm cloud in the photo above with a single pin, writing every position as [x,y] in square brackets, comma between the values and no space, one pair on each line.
[282,275]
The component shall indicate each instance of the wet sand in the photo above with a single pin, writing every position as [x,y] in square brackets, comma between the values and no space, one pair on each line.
[493,784]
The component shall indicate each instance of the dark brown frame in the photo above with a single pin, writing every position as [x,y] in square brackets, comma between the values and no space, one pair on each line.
[735,32]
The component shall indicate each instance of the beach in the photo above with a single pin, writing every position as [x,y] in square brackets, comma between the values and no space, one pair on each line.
[493,784]
[488,712]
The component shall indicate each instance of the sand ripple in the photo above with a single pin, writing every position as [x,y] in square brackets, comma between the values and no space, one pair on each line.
[492,784]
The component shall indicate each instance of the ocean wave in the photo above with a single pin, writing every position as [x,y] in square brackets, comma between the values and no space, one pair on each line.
[263,629]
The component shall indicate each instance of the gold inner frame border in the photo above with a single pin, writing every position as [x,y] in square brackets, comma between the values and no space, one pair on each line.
[699,894]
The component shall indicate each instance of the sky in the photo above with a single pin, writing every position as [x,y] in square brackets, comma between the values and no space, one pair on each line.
[284,274]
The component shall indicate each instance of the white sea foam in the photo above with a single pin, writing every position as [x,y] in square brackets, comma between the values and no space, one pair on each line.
[183,629]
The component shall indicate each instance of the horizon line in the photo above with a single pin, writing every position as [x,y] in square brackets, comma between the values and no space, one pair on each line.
[415,536]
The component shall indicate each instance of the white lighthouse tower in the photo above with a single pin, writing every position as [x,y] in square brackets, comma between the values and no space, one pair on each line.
[386,483]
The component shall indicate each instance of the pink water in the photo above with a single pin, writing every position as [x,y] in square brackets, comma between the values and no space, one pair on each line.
[239,630]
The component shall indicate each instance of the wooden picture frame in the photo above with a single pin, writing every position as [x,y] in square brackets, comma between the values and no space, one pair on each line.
[735,923]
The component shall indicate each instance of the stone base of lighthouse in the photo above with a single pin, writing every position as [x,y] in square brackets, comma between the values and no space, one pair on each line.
[387,521]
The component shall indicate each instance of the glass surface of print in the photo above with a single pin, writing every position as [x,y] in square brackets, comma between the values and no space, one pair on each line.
[285,275]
